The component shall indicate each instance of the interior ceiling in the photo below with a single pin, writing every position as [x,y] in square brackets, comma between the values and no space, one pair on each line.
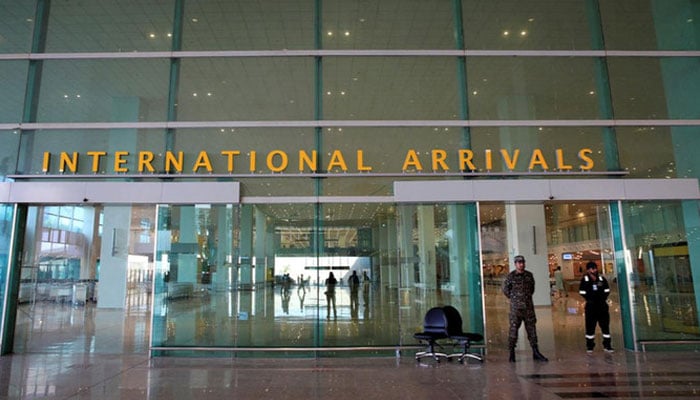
[87,25]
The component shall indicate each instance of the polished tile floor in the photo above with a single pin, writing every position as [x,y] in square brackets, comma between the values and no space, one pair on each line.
[570,374]
[87,362]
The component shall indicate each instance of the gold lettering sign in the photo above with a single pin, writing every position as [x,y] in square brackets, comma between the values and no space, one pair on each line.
[279,161]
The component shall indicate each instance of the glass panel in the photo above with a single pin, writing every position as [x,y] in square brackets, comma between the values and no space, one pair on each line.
[542,25]
[647,152]
[109,141]
[377,88]
[434,268]
[659,152]
[12,86]
[389,24]
[246,89]
[198,264]
[6,211]
[16,26]
[532,88]
[104,90]
[248,25]
[662,238]
[9,152]
[255,276]
[662,25]
[81,292]
[654,88]
[110,25]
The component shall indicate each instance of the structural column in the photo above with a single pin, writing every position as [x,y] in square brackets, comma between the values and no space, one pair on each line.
[527,237]
[426,246]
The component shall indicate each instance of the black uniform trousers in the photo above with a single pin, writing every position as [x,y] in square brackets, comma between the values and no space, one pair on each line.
[597,314]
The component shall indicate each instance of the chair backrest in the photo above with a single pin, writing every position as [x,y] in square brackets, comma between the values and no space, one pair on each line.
[435,321]
[454,320]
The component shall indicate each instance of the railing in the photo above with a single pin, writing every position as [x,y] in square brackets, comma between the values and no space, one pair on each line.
[644,343]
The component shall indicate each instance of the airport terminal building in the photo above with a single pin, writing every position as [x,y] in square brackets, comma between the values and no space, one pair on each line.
[183,176]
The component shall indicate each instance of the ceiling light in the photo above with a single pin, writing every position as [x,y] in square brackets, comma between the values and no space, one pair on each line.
[194,94]
[530,20]
[591,92]
[151,35]
[475,93]
[523,33]
[347,33]
[506,33]
[330,33]
[195,20]
[170,35]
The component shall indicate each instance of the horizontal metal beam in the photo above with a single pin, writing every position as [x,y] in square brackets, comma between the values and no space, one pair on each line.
[120,192]
[546,190]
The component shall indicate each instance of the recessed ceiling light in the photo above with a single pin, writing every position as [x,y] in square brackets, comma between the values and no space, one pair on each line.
[506,33]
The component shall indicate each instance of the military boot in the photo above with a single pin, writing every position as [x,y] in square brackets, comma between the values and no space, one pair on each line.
[537,356]
[511,356]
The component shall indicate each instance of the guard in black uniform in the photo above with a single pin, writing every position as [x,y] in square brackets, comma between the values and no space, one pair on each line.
[519,286]
[595,289]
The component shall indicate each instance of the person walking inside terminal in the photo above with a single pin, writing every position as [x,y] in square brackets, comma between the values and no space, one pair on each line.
[519,286]
[595,289]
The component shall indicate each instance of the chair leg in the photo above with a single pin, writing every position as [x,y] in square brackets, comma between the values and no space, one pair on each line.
[430,352]
[466,354]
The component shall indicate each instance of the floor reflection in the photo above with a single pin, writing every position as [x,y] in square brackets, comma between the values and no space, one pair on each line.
[274,317]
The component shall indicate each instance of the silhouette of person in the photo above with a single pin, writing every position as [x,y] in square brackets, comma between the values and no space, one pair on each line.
[354,284]
[331,283]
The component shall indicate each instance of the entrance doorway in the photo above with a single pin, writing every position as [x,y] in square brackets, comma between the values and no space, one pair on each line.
[88,272]
[564,235]
[86,279]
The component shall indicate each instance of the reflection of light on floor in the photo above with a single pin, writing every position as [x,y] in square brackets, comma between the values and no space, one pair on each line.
[646,309]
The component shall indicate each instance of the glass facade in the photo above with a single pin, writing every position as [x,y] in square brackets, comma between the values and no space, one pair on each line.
[317,108]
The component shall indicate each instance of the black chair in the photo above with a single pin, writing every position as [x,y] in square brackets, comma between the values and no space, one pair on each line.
[434,329]
[465,339]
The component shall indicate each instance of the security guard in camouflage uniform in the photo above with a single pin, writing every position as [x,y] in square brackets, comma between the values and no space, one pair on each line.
[595,289]
[519,286]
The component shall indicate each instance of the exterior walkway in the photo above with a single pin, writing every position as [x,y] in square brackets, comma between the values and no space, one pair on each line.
[567,375]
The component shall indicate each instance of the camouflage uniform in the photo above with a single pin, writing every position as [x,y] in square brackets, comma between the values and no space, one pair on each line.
[519,288]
